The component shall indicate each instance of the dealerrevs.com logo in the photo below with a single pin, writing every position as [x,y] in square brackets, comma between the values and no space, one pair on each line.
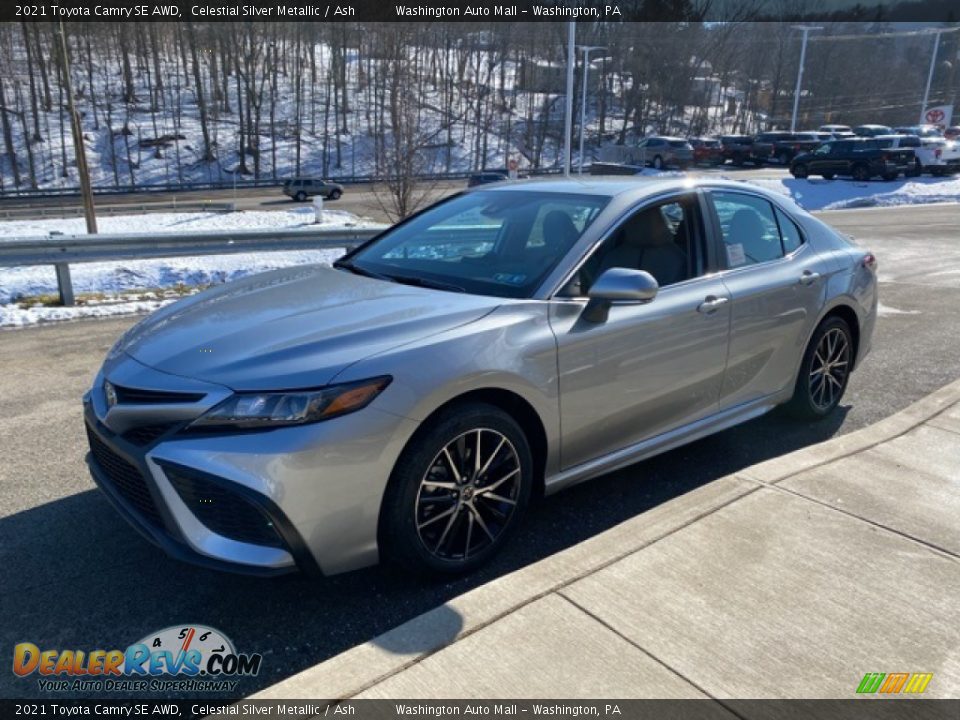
[182,657]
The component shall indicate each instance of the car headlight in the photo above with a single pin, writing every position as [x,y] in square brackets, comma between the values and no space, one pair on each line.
[291,407]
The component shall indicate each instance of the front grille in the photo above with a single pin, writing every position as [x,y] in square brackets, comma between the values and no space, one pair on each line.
[139,396]
[146,434]
[223,511]
[125,478]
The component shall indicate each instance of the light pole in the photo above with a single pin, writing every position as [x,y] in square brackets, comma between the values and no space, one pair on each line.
[587,49]
[805,29]
[933,64]
[568,114]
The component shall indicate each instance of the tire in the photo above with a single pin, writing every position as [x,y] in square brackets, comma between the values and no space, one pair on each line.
[335,194]
[891,176]
[815,399]
[413,532]
[658,163]
[915,171]
[828,176]
[300,196]
[860,173]
[799,171]
[784,158]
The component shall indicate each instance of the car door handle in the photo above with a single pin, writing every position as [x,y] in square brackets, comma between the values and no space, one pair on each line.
[809,278]
[711,304]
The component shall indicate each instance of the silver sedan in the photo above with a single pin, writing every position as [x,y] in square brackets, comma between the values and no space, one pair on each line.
[411,401]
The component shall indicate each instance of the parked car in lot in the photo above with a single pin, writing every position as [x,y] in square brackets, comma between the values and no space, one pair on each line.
[485,178]
[706,151]
[764,144]
[410,402]
[952,133]
[900,141]
[661,152]
[837,130]
[872,130]
[301,188]
[785,149]
[860,158]
[938,156]
[738,149]
[924,131]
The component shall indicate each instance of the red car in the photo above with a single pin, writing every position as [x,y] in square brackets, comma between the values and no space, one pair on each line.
[706,151]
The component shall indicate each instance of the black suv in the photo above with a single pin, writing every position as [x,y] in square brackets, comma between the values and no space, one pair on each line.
[859,158]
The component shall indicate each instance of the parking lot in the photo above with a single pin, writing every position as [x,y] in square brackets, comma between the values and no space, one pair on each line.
[79,577]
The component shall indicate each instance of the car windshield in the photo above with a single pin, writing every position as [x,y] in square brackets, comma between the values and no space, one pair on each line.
[487,242]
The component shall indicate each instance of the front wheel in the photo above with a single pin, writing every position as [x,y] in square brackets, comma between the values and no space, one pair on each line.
[799,171]
[457,492]
[335,194]
[861,173]
[300,196]
[828,176]
[824,371]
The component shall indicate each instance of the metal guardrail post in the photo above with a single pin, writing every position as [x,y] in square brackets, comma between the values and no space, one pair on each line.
[65,284]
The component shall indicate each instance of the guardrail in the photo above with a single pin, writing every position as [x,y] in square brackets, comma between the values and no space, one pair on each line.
[62,250]
[227,184]
[30,213]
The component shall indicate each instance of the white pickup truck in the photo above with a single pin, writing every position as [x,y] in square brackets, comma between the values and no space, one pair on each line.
[934,155]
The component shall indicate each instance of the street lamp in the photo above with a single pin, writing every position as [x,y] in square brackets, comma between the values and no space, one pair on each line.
[568,111]
[805,29]
[587,49]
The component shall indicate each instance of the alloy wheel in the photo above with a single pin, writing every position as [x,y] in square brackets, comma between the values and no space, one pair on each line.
[829,369]
[468,495]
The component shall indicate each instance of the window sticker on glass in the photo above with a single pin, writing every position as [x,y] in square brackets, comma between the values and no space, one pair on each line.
[509,279]
[735,255]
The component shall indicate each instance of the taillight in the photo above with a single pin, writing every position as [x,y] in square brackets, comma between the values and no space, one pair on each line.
[938,152]
[870,262]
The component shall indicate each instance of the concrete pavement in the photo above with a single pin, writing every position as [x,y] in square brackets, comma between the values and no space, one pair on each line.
[788,579]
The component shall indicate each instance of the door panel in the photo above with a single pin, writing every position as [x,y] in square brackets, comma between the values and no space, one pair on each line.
[647,369]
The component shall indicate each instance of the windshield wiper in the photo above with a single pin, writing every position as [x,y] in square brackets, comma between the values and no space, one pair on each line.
[357,270]
[424,282]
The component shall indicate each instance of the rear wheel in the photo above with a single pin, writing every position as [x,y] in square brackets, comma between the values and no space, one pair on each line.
[300,196]
[784,158]
[457,492]
[658,163]
[799,171]
[824,371]
[860,173]
[335,194]
[828,176]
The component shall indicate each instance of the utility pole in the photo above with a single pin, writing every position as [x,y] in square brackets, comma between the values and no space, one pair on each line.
[933,65]
[587,49]
[568,114]
[805,29]
[88,209]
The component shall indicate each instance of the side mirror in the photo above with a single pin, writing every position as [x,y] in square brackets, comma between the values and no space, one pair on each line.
[618,285]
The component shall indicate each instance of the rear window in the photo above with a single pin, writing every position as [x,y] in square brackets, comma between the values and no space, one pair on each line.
[678,143]
[911,141]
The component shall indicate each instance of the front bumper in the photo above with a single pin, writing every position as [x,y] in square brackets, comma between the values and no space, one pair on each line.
[315,490]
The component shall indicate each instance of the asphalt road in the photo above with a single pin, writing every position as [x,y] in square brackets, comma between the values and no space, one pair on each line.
[76,576]
[363,200]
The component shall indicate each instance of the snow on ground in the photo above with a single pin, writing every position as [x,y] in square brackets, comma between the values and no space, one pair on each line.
[182,222]
[136,286]
[820,194]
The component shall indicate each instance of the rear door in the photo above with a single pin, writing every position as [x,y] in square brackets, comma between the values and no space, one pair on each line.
[776,283]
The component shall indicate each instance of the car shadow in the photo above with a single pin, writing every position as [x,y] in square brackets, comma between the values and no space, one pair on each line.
[78,577]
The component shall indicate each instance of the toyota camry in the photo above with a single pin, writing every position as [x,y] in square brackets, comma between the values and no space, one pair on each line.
[410,402]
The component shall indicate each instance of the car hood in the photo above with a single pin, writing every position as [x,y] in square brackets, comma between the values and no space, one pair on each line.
[292,328]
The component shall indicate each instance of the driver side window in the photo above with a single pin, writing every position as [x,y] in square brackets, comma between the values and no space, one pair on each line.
[663,239]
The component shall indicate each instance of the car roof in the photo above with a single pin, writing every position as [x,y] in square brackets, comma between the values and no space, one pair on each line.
[640,186]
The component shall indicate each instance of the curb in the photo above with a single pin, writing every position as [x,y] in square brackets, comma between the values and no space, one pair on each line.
[355,670]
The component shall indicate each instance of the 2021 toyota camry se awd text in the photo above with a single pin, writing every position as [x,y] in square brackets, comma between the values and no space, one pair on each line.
[409,402]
